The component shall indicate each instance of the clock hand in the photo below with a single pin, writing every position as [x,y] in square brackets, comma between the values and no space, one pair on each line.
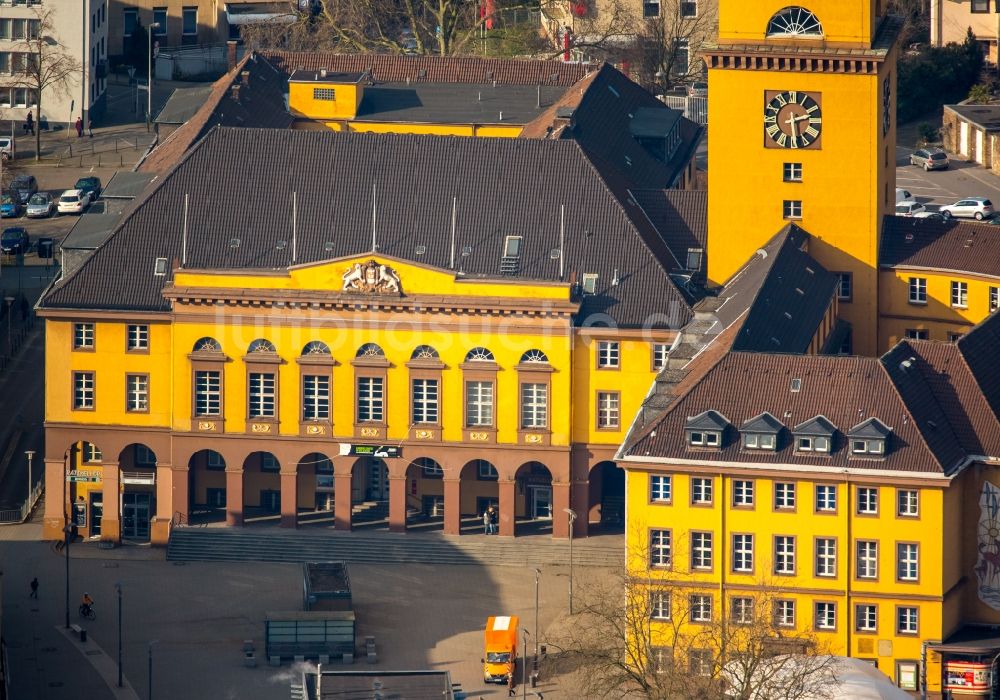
[793,121]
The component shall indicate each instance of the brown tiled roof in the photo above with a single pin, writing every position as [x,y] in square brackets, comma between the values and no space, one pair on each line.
[549,124]
[981,347]
[498,186]
[394,68]
[681,217]
[260,103]
[940,245]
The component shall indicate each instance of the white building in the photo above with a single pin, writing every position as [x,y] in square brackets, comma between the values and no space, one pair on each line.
[76,27]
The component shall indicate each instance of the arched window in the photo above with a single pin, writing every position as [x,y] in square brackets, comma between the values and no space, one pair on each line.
[424,352]
[207,345]
[794,21]
[261,345]
[479,355]
[316,347]
[534,355]
[370,350]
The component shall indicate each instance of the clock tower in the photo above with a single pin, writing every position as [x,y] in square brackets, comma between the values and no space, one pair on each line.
[802,129]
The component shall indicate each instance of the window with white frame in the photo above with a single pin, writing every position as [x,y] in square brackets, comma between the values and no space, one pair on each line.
[534,405]
[91,453]
[960,295]
[916,334]
[867,559]
[701,550]
[907,561]
[659,605]
[429,468]
[608,354]
[791,209]
[826,556]
[660,548]
[650,9]
[701,608]
[784,554]
[742,492]
[994,298]
[784,613]
[138,337]
[918,290]
[83,336]
[682,57]
[784,495]
[144,457]
[661,659]
[83,390]
[208,393]
[425,401]
[812,443]
[868,447]
[759,441]
[867,500]
[907,503]
[136,393]
[865,617]
[660,352]
[826,615]
[371,400]
[704,438]
[701,490]
[608,410]
[269,463]
[486,471]
[741,610]
[792,172]
[660,488]
[261,395]
[478,404]
[845,286]
[743,553]
[826,498]
[316,397]
[906,619]
[700,662]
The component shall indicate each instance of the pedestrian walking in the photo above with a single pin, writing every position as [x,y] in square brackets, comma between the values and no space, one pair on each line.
[90,128]
[486,521]
[511,684]
[493,520]
[29,124]
[79,127]
[34,588]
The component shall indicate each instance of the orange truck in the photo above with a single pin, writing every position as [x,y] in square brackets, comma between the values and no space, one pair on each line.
[501,648]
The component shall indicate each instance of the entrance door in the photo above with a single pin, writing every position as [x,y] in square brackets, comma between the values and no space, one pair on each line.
[378,480]
[980,154]
[963,139]
[135,515]
[96,512]
[541,503]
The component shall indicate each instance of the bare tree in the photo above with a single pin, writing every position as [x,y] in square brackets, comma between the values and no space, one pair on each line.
[46,65]
[668,45]
[597,29]
[641,636]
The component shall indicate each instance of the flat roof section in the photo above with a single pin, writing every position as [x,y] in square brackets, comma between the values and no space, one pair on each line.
[323,75]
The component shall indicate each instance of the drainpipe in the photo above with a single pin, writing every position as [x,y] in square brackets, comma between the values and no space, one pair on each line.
[850,562]
[723,548]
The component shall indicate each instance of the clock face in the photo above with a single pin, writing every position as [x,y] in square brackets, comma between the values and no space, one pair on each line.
[792,119]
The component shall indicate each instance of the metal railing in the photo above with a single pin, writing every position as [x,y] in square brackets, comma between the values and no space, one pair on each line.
[19,515]
[694,108]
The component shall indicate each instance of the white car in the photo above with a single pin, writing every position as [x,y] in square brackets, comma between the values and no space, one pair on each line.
[910,208]
[74,202]
[977,208]
[903,196]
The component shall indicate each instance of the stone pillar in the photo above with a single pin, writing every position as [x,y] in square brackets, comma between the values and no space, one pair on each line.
[560,519]
[579,497]
[111,524]
[342,502]
[397,503]
[289,499]
[234,496]
[507,496]
[452,506]
[56,495]
[167,505]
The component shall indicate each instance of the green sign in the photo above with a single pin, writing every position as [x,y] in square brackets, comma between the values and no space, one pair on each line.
[77,476]
[383,451]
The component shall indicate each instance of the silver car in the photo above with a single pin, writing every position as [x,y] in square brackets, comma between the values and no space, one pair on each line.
[930,159]
[40,206]
[978,208]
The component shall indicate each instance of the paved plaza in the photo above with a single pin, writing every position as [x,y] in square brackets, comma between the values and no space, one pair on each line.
[199,613]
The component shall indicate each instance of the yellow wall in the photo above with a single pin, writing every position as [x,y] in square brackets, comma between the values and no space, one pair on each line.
[937,316]
[302,103]
[843,22]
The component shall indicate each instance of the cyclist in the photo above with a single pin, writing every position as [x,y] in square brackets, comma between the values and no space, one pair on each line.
[85,603]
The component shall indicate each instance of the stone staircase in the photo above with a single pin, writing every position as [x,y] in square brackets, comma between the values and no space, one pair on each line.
[277,545]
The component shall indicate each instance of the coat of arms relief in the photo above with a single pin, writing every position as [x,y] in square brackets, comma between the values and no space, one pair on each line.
[371,277]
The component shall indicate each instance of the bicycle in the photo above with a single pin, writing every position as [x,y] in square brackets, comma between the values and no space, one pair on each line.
[87,611]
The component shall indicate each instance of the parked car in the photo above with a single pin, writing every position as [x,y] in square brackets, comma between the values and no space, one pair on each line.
[14,241]
[903,196]
[6,147]
[9,207]
[73,202]
[91,185]
[930,159]
[932,215]
[910,208]
[978,208]
[40,206]
[24,186]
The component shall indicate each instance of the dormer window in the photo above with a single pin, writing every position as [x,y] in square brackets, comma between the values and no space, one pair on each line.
[761,432]
[869,438]
[814,436]
[706,429]
[589,283]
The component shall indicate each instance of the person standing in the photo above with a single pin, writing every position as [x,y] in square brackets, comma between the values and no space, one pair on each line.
[493,520]
[486,521]
[29,124]
[34,588]
[79,127]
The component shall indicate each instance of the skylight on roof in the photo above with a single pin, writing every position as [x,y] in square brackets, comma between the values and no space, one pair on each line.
[160,267]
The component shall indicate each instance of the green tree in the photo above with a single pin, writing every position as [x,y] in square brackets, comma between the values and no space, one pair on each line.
[937,76]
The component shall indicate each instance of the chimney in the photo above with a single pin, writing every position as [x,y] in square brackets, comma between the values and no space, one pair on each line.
[231,54]
[235,92]
[245,77]
[322,72]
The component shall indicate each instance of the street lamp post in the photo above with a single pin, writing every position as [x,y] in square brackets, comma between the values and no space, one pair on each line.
[524,668]
[68,530]
[149,695]
[538,573]
[30,453]
[571,514]
[153,26]
[118,587]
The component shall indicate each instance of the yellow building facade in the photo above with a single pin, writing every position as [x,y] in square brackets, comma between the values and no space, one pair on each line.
[808,95]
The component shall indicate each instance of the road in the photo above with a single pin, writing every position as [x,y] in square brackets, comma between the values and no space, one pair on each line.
[945,186]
